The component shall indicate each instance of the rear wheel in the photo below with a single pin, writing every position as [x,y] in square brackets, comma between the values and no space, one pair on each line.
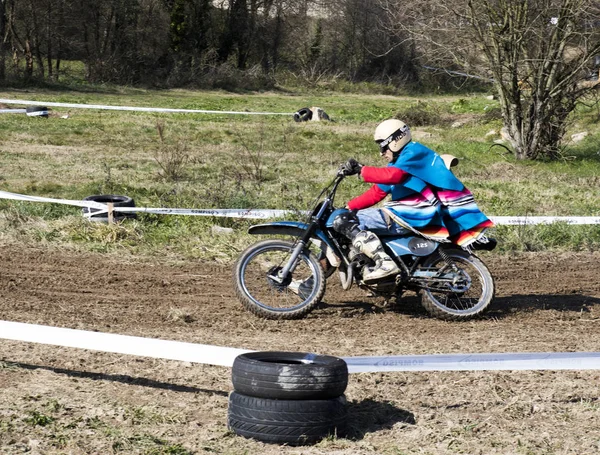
[461,288]
[260,293]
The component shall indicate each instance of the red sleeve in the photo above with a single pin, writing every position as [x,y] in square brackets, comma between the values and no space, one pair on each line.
[386,175]
[370,197]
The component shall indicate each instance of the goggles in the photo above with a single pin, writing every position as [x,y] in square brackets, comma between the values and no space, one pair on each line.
[384,143]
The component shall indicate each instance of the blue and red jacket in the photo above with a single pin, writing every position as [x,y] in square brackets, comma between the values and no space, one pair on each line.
[425,196]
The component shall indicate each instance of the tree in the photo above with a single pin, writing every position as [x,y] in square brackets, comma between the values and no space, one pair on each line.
[537,54]
[2,39]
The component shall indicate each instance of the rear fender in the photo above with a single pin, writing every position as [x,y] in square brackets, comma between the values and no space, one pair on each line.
[297,229]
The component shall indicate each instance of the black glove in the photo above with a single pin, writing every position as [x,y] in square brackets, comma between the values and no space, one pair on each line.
[351,167]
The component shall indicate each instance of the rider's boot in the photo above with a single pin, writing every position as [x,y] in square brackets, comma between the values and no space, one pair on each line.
[369,244]
[302,288]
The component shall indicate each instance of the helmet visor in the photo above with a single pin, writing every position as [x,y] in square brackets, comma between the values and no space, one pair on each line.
[398,134]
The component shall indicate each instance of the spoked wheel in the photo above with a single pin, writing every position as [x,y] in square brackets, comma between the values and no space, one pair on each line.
[458,291]
[261,292]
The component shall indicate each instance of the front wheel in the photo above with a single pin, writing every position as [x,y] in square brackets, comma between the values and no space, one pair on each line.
[269,298]
[462,287]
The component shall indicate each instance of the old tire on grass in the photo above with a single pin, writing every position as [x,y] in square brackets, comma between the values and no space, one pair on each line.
[303,115]
[289,375]
[293,422]
[36,111]
[117,201]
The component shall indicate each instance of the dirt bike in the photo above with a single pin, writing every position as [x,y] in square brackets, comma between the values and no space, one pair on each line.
[281,279]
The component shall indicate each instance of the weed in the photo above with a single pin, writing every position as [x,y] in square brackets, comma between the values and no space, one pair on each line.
[59,440]
[250,162]
[6,426]
[36,418]
[53,405]
[171,158]
[108,182]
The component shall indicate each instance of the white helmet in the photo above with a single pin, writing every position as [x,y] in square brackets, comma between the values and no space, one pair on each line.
[393,134]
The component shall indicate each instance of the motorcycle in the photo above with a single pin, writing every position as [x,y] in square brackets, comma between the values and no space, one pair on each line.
[281,279]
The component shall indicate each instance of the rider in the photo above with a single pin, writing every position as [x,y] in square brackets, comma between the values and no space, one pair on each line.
[426,198]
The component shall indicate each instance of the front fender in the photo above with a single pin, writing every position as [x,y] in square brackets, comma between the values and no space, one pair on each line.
[297,229]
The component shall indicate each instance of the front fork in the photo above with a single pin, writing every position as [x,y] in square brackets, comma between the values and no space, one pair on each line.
[290,264]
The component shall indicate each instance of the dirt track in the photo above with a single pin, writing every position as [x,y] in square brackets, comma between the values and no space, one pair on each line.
[105,403]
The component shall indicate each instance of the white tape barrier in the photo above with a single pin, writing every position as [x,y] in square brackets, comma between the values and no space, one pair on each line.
[531,220]
[268,213]
[103,208]
[477,362]
[138,109]
[229,213]
[223,356]
[23,197]
[120,344]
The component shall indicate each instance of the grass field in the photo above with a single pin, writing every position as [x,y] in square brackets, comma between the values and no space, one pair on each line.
[254,161]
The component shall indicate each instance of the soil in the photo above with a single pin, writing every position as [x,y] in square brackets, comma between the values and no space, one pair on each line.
[57,400]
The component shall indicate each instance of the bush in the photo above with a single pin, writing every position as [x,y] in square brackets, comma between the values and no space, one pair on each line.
[419,114]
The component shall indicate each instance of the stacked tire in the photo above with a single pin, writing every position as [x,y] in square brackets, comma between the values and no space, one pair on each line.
[290,398]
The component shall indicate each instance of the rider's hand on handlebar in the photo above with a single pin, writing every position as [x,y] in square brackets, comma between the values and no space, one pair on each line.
[351,167]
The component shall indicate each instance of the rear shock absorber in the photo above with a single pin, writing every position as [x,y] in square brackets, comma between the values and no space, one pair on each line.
[447,259]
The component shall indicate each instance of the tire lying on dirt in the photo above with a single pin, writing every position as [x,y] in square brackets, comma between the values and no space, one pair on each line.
[117,201]
[289,375]
[293,422]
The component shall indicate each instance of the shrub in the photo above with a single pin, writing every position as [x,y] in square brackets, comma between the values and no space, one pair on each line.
[419,114]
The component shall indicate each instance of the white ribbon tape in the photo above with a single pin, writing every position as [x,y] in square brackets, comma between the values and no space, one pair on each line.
[23,197]
[224,356]
[477,362]
[103,208]
[138,109]
[269,213]
[120,344]
[229,213]
[530,220]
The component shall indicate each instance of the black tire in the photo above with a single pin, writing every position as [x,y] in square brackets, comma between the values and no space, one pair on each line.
[289,375]
[476,287]
[36,111]
[270,300]
[293,422]
[303,115]
[117,201]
